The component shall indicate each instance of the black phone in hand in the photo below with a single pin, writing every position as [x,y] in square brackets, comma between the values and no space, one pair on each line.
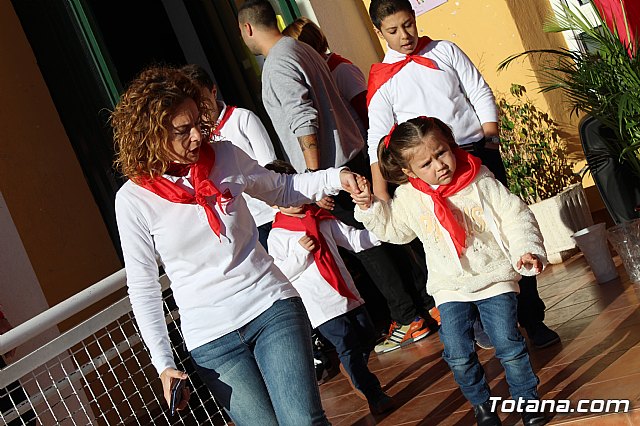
[176,394]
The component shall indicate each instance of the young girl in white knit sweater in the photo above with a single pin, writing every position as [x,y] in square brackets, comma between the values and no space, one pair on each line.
[478,239]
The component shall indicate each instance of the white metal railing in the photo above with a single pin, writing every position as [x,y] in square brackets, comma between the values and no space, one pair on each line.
[98,372]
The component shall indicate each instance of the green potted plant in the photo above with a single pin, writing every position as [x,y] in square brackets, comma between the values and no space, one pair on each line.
[540,173]
[602,81]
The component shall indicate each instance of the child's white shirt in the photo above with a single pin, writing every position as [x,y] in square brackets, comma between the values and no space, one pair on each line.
[245,130]
[351,82]
[456,94]
[487,267]
[321,301]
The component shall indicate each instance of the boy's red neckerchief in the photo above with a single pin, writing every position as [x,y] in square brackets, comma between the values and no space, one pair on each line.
[309,224]
[381,73]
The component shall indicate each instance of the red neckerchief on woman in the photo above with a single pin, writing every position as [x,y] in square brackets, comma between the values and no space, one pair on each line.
[309,224]
[223,120]
[467,168]
[381,73]
[202,185]
[334,60]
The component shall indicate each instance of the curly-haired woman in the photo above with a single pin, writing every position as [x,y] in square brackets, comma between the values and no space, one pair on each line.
[242,321]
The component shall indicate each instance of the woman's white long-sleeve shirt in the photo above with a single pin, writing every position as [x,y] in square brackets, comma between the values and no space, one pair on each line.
[245,130]
[456,93]
[218,284]
[485,269]
[321,300]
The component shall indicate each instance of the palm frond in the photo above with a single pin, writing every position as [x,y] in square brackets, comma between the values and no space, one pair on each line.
[603,82]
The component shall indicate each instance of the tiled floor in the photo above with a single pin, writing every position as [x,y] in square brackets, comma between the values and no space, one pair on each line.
[599,358]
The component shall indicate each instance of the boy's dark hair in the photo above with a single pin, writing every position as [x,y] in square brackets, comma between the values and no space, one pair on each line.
[282,167]
[259,13]
[380,9]
[198,74]
[407,136]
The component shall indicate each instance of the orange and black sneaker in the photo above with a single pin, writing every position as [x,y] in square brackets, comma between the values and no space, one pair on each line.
[403,335]
[435,314]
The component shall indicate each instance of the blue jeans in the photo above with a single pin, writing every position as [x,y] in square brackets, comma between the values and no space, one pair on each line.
[354,337]
[499,318]
[263,373]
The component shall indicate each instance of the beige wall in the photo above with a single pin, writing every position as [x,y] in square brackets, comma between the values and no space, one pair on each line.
[347,28]
[44,188]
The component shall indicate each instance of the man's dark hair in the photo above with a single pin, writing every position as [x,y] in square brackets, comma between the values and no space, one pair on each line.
[281,166]
[259,13]
[380,9]
[198,74]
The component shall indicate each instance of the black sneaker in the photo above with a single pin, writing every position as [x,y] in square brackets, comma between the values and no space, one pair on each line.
[534,419]
[541,335]
[381,404]
[484,415]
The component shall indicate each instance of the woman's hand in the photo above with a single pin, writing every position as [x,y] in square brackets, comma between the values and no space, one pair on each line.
[348,181]
[529,261]
[364,198]
[167,377]
[308,243]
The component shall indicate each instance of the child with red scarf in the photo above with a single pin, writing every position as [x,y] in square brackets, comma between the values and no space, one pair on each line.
[418,76]
[479,239]
[304,244]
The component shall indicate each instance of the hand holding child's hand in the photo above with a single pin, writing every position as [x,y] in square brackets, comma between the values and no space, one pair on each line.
[364,198]
[326,203]
[308,243]
[529,261]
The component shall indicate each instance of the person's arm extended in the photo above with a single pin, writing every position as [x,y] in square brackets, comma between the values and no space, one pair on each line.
[380,189]
[309,147]
[490,128]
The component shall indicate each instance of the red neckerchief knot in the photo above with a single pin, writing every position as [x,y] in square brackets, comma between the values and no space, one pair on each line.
[467,168]
[380,73]
[202,185]
[309,224]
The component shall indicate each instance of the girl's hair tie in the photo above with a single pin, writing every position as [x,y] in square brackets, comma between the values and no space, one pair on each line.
[387,138]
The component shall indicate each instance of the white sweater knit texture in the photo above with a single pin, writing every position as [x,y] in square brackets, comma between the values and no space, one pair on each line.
[484,270]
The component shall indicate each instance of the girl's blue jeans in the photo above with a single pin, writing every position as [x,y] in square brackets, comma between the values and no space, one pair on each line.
[499,318]
[263,373]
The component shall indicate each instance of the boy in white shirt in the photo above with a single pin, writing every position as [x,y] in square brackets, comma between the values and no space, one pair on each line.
[419,76]
[304,244]
[244,129]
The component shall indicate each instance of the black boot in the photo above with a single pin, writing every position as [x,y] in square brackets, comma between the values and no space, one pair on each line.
[534,419]
[484,415]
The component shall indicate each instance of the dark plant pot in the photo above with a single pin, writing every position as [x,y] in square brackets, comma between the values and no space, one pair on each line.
[619,187]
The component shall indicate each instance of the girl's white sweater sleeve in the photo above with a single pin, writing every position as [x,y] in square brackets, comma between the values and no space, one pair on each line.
[143,285]
[517,224]
[387,221]
[351,238]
